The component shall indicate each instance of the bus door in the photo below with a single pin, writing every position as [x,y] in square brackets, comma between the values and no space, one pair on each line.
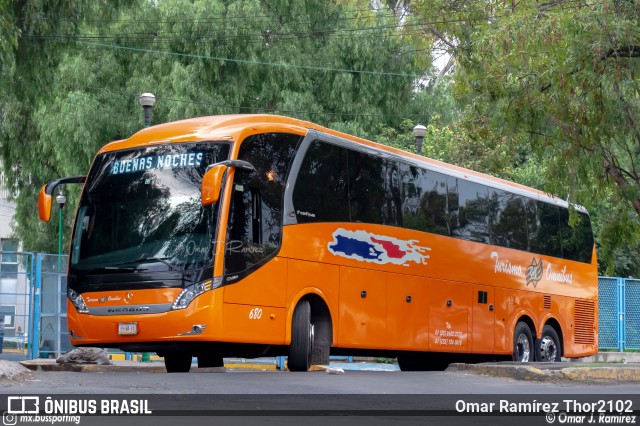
[483,319]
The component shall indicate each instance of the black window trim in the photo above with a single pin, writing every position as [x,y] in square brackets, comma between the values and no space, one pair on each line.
[335,140]
[290,217]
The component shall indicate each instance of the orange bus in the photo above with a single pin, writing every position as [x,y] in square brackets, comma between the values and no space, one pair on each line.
[255,235]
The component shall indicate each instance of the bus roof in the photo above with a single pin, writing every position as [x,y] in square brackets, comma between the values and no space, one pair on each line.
[236,127]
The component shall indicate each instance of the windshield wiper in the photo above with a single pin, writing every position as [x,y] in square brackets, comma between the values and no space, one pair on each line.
[151,259]
[111,268]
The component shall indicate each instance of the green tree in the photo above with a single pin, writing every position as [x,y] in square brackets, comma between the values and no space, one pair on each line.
[73,84]
[558,80]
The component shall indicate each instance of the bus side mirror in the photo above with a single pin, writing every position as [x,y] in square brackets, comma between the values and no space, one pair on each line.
[44,204]
[212,184]
[46,194]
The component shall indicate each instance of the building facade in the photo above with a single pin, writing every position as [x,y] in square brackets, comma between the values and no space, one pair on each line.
[14,280]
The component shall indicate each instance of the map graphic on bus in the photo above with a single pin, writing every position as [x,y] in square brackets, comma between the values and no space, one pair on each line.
[380,249]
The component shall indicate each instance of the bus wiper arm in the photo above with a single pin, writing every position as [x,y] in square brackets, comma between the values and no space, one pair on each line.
[154,259]
[111,268]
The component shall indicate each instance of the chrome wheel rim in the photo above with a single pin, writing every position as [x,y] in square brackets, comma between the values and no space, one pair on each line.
[524,349]
[548,349]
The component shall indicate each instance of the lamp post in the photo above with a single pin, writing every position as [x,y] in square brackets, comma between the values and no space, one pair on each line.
[147,101]
[61,200]
[419,132]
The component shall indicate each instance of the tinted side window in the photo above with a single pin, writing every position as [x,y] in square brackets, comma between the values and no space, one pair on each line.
[392,213]
[453,205]
[533,224]
[577,241]
[321,188]
[255,219]
[367,193]
[425,202]
[508,220]
[547,239]
[584,235]
[567,237]
[473,212]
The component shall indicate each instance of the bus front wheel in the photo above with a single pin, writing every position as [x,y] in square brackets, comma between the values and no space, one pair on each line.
[548,347]
[522,343]
[302,337]
[177,362]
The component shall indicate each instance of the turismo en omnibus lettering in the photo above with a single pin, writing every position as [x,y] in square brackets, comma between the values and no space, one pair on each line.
[335,244]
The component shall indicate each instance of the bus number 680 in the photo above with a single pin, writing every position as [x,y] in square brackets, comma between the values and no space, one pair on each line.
[255,313]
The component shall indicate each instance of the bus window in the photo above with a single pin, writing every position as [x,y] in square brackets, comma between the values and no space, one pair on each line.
[432,201]
[533,224]
[143,205]
[324,169]
[255,219]
[507,220]
[567,237]
[453,205]
[392,213]
[473,212]
[411,194]
[546,240]
[577,241]
[584,237]
[367,194]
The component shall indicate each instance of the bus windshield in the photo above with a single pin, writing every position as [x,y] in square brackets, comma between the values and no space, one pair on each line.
[141,209]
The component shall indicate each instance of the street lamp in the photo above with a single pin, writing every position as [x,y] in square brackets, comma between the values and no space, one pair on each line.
[418,132]
[147,101]
[61,200]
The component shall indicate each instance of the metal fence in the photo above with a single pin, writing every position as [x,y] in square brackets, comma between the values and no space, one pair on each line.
[33,305]
[16,278]
[50,306]
[619,312]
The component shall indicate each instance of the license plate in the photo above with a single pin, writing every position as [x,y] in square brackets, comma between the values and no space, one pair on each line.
[127,328]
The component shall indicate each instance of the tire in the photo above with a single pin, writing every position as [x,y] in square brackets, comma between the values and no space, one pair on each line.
[523,349]
[177,362]
[210,360]
[302,338]
[548,348]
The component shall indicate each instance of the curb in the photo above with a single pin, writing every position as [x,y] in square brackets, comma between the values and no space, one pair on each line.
[13,371]
[51,365]
[584,373]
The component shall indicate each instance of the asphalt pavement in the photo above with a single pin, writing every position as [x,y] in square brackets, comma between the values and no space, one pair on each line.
[601,368]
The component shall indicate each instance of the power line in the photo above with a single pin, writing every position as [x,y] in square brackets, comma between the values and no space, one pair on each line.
[267,36]
[358,14]
[248,62]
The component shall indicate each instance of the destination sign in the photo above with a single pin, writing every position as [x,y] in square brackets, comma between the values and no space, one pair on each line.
[170,161]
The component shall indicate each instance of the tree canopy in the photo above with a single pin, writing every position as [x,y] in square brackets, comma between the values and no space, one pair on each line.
[73,83]
[558,81]
[546,94]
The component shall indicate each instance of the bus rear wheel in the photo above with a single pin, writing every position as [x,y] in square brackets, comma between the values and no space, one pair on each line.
[522,343]
[177,362]
[548,347]
[302,337]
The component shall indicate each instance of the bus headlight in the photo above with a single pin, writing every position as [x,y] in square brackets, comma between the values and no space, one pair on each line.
[78,301]
[188,294]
